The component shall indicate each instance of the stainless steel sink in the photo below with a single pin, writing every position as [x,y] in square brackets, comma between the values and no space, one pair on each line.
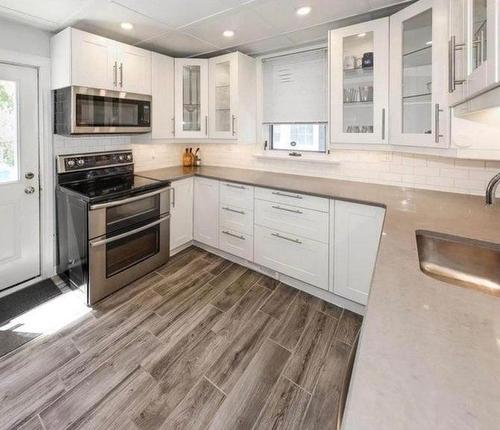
[464,262]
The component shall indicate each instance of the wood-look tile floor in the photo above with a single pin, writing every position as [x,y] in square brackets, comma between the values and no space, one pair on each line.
[202,343]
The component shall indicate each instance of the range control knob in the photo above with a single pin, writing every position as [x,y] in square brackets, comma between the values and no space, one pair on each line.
[129,157]
[70,163]
[121,157]
[80,162]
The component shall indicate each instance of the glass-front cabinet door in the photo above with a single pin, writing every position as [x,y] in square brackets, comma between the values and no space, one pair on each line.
[418,93]
[223,73]
[359,82]
[191,98]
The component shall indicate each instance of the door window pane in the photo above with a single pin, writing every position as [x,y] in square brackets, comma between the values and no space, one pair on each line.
[191,104]
[479,32]
[417,74]
[222,97]
[358,83]
[8,132]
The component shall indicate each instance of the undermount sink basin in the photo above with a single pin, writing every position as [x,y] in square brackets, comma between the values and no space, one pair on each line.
[460,261]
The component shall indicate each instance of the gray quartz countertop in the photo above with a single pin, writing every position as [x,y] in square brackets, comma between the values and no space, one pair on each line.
[429,352]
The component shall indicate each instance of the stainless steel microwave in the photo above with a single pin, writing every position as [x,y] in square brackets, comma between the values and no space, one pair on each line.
[81,110]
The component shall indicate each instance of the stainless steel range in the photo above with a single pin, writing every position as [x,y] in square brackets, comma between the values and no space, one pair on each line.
[112,226]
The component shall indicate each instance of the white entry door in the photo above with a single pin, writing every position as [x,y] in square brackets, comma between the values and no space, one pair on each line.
[19,186]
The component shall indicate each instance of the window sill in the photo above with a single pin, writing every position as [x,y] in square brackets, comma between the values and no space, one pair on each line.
[305,158]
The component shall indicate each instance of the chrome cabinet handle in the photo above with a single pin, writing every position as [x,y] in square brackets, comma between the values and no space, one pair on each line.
[129,200]
[173,126]
[173,196]
[239,187]
[452,64]
[383,124]
[115,74]
[94,243]
[121,74]
[437,111]
[237,236]
[279,236]
[29,190]
[233,210]
[206,125]
[295,211]
[294,196]
[232,125]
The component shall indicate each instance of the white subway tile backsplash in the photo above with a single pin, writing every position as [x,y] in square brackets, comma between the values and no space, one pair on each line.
[392,168]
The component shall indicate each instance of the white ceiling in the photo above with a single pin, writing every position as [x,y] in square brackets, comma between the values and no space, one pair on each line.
[194,27]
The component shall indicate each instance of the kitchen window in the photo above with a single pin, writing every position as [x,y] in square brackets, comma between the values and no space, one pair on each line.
[295,97]
[298,137]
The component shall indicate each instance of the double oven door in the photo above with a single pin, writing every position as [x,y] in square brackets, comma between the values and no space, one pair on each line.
[128,238]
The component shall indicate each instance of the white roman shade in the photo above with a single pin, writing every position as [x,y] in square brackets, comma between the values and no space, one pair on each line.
[295,88]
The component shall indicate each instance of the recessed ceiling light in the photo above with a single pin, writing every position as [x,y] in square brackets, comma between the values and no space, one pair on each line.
[305,10]
[361,34]
[127,26]
[228,33]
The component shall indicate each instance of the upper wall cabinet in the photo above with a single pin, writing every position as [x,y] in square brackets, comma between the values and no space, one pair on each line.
[418,72]
[84,59]
[474,47]
[360,82]
[162,84]
[232,97]
[191,98]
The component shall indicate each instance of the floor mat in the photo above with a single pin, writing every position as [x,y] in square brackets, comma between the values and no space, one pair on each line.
[18,303]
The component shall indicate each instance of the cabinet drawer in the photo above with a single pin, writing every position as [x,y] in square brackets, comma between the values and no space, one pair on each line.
[297,221]
[302,259]
[294,199]
[236,218]
[238,195]
[236,243]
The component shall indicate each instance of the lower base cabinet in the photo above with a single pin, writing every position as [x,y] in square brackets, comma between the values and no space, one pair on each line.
[181,212]
[299,258]
[206,211]
[355,231]
[236,243]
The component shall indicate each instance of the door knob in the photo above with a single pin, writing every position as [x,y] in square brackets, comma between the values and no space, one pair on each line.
[29,175]
[29,190]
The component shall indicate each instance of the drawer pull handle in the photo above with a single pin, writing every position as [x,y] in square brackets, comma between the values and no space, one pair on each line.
[295,211]
[293,196]
[234,235]
[233,210]
[279,236]
[240,187]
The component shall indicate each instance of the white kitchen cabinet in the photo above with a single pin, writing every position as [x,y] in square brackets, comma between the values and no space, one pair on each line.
[419,114]
[232,98]
[474,48]
[84,59]
[191,98]
[297,257]
[359,57]
[293,199]
[162,85]
[181,211]
[297,221]
[236,243]
[354,241]
[134,69]
[206,211]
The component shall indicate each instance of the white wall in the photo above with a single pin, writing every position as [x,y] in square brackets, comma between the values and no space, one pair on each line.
[24,39]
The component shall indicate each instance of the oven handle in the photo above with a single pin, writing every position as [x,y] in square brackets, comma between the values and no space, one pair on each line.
[128,200]
[94,243]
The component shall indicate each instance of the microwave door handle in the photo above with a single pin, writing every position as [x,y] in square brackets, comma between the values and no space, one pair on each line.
[128,200]
[94,243]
